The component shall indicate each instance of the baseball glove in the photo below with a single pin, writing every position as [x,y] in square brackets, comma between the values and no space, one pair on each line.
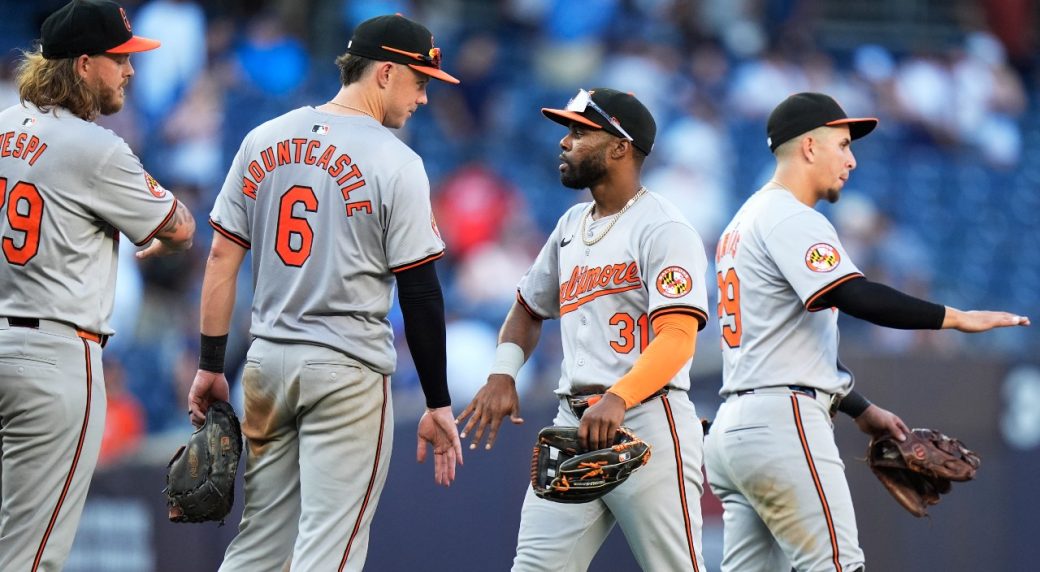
[200,478]
[560,472]
[916,471]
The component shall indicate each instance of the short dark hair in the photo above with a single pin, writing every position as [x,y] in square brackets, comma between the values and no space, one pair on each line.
[352,68]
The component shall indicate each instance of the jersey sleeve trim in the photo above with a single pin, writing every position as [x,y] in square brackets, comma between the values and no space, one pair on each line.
[230,235]
[701,315]
[810,303]
[523,304]
[159,227]
[419,262]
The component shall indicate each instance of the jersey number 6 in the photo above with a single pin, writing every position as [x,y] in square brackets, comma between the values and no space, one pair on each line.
[729,304]
[289,225]
[26,194]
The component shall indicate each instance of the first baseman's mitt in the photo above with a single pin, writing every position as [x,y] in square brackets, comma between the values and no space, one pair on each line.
[916,471]
[200,479]
[561,473]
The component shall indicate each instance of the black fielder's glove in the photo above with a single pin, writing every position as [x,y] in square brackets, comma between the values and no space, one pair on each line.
[561,472]
[916,471]
[200,478]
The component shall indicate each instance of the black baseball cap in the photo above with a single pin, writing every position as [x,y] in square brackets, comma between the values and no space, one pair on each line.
[394,38]
[806,111]
[90,27]
[621,114]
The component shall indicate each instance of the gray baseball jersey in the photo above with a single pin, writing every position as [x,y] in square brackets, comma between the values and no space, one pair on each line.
[772,441]
[329,200]
[774,261]
[68,187]
[650,263]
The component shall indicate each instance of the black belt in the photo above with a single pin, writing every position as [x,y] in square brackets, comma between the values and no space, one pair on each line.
[810,391]
[34,323]
[579,403]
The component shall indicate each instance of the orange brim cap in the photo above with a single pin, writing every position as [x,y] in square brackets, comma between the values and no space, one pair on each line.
[565,118]
[435,73]
[858,126]
[135,44]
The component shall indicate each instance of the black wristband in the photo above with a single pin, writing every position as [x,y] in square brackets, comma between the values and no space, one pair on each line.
[211,352]
[853,404]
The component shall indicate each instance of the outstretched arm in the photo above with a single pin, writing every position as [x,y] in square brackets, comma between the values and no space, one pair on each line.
[886,306]
[498,398]
[422,305]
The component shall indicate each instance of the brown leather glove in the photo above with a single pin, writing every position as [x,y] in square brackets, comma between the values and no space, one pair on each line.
[916,471]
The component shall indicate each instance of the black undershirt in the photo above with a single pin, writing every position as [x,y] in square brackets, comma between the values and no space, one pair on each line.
[422,305]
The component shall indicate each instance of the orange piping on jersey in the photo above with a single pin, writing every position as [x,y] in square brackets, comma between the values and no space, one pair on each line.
[523,304]
[701,315]
[371,479]
[812,299]
[816,478]
[682,481]
[568,308]
[165,220]
[675,337]
[230,235]
[75,461]
[418,262]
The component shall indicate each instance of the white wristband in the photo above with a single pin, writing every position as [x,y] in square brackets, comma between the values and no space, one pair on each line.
[509,357]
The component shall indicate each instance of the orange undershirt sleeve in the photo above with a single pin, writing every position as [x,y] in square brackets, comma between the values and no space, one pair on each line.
[675,337]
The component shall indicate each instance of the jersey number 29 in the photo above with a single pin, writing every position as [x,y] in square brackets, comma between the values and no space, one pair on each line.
[729,305]
[24,196]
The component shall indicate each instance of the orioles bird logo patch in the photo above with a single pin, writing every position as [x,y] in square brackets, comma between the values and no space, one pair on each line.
[674,282]
[822,257]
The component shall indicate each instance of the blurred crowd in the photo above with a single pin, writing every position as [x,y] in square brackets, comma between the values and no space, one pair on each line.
[942,204]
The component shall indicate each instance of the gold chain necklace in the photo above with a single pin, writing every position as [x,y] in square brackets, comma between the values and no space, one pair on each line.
[352,108]
[613,219]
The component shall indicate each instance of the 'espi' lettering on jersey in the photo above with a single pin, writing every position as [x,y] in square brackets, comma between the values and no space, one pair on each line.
[306,151]
[21,146]
[727,245]
[586,284]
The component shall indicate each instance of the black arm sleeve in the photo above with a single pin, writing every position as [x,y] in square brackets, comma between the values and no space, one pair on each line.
[422,305]
[884,306]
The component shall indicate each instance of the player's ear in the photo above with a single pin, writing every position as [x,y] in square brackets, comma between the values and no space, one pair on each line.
[619,148]
[81,65]
[383,72]
[808,148]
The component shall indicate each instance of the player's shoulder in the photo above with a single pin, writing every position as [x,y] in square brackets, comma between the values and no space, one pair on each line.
[770,207]
[662,215]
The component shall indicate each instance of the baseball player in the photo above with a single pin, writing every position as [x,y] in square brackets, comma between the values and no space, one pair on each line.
[68,188]
[624,274]
[782,278]
[335,209]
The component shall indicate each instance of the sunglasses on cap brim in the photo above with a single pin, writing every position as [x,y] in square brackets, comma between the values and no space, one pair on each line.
[579,103]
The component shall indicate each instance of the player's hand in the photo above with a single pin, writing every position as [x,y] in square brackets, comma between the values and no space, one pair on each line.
[207,388]
[437,428]
[875,421]
[600,422]
[980,321]
[494,401]
[159,248]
